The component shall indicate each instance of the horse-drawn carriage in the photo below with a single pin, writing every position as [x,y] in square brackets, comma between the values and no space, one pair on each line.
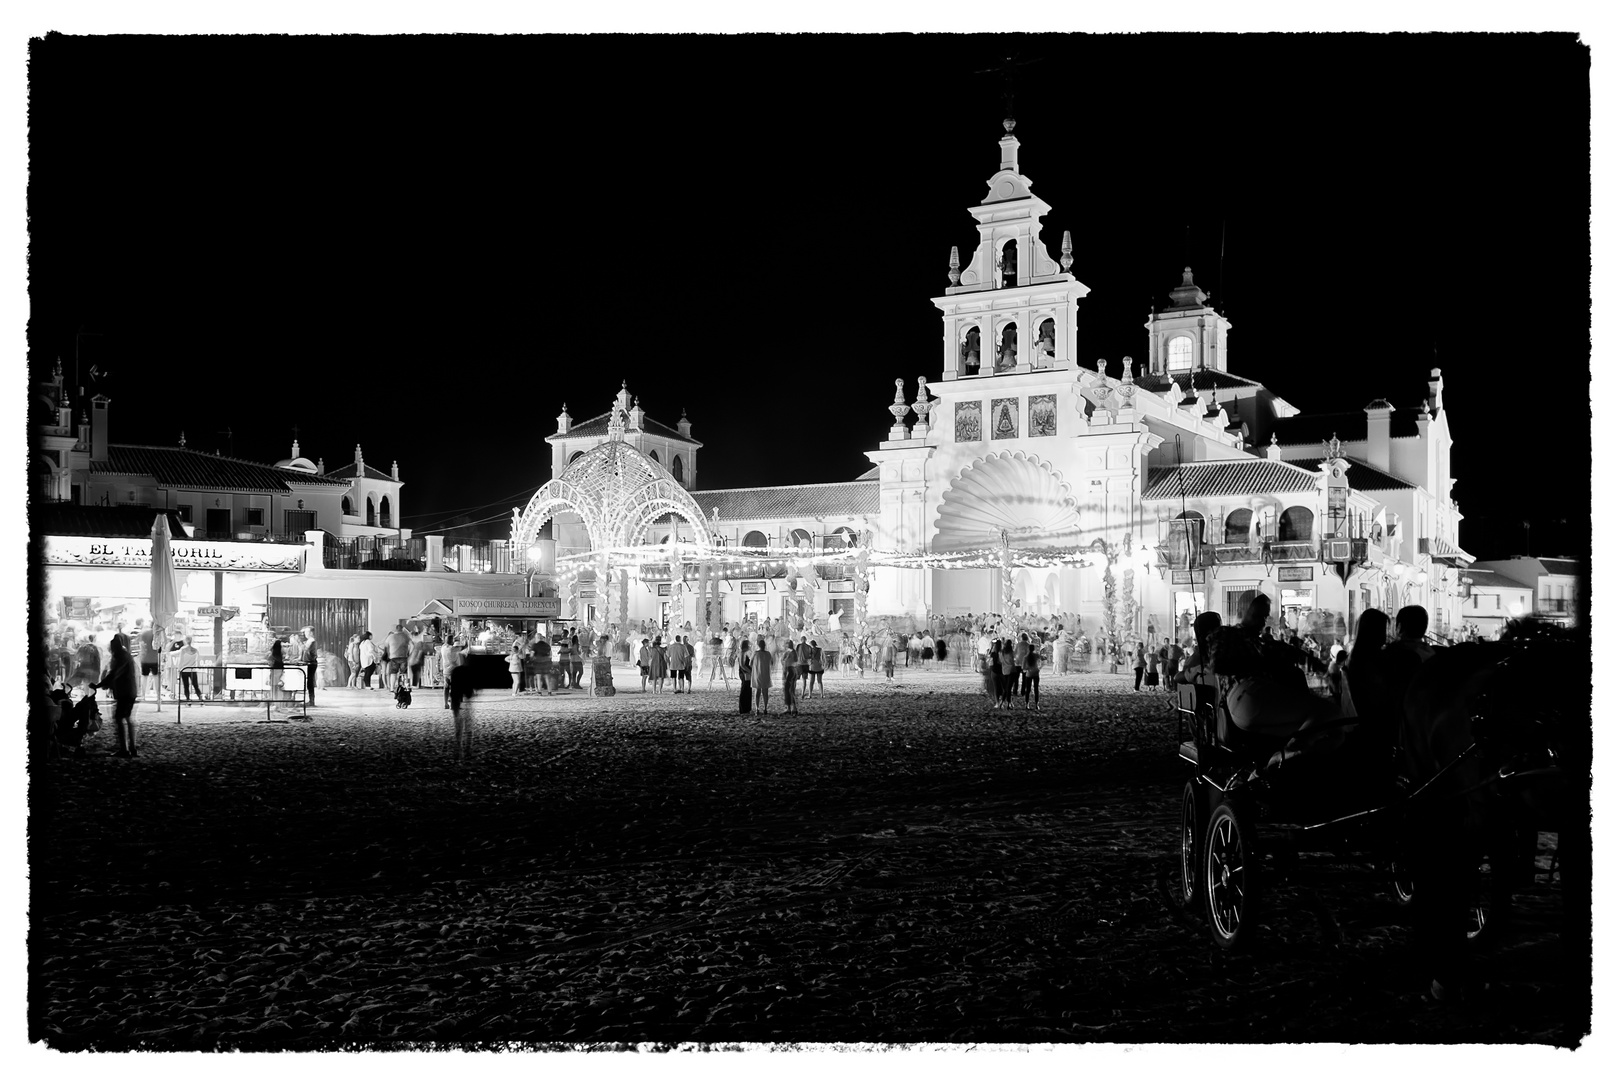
[1248,801]
[1487,752]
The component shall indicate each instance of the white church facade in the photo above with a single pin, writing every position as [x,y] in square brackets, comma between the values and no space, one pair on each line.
[1014,477]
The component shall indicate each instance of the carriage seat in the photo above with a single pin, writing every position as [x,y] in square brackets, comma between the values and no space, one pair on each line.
[1207,720]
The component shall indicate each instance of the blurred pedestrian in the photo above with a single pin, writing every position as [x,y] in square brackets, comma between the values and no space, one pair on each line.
[885,656]
[762,677]
[460,686]
[1032,676]
[120,679]
[1140,664]
[368,657]
[745,676]
[988,662]
[657,664]
[514,664]
[790,679]
[644,661]
[818,666]
[1007,678]
[310,657]
[187,660]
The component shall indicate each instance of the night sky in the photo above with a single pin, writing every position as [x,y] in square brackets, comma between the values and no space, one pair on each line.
[428,245]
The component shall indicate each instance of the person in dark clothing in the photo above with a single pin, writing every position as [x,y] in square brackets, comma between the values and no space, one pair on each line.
[745,675]
[121,681]
[278,666]
[309,656]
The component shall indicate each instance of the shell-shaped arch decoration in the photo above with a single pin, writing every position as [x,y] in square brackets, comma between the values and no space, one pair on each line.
[1013,492]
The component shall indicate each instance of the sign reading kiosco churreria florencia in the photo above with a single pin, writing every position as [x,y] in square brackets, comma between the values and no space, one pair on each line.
[507,607]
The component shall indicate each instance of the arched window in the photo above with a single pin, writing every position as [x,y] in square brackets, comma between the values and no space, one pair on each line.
[1007,351]
[1046,342]
[384,519]
[1194,527]
[1009,264]
[845,535]
[576,456]
[371,512]
[801,539]
[1180,355]
[970,351]
[653,454]
[1238,523]
[755,539]
[1295,525]
[348,507]
[678,470]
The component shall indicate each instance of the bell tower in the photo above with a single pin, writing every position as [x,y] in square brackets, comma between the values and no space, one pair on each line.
[1012,309]
[1187,336]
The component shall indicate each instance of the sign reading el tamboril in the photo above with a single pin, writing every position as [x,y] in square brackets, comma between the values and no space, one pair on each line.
[188,554]
[507,607]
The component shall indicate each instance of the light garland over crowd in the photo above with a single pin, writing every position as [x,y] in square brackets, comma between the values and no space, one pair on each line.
[767,561]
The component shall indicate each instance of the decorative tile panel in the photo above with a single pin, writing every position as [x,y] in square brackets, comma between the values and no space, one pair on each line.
[1004,418]
[1043,415]
[969,421]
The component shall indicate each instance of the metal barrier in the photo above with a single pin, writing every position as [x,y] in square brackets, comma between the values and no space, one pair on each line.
[244,687]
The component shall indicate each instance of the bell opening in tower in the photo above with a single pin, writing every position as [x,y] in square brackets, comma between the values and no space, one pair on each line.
[1009,264]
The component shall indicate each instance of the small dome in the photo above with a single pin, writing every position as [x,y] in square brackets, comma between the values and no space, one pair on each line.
[301,464]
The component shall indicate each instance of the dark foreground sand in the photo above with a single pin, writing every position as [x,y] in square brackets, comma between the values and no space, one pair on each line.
[897,864]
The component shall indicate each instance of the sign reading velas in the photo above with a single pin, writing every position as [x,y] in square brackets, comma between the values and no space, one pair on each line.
[506,607]
[1186,577]
[1295,573]
[214,610]
[188,554]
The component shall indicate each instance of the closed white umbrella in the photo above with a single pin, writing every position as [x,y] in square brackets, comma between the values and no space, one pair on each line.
[165,602]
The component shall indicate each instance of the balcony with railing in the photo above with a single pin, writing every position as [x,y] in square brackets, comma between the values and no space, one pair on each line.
[375,553]
[1546,605]
[1291,551]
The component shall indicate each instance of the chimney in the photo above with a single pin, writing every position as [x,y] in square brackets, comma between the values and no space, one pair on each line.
[636,417]
[683,425]
[1378,414]
[1424,416]
[320,466]
[295,450]
[396,470]
[98,427]
[564,421]
[358,460]
[1273,452]
[1434,389]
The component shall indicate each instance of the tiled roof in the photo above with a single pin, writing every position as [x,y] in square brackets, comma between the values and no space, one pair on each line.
[797,501]
[1311,428]
[124,519]
[349,471]
[177,467]
[1246,476]
[1491,579]
[1364,477]
[598,425]
[1205,379]
[1525,570]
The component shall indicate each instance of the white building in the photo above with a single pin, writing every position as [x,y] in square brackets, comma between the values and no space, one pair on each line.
[1195,485]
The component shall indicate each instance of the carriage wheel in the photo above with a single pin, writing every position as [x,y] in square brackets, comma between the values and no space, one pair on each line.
[1192,835]
[1400,873]
[1231,877]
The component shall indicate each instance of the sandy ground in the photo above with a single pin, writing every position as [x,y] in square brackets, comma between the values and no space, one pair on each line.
[897,864]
